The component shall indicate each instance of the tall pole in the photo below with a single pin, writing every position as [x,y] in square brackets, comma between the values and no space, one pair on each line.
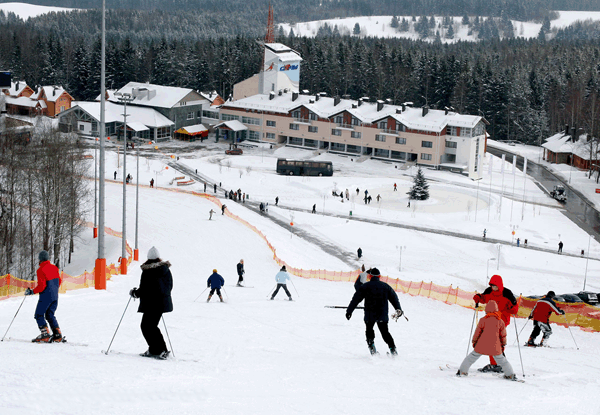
[490,197]
[586,261]
[137,205]
[502,193]
[524,185]
[124,98]
[513,192]
[95,188]
[100,269]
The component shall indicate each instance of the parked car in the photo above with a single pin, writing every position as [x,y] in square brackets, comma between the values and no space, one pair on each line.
[568,298]
[588,297]
[234,151]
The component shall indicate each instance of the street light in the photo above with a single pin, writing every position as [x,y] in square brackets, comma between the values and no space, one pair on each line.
[136,255]
[95,190]
[487,272]
[124,98]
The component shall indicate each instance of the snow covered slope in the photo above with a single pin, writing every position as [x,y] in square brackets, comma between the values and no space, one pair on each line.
[25,10]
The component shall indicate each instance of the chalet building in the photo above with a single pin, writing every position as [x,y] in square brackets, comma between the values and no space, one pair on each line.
[441,139]
[210,111]
[20,100]
[183,106]
[18,89]
[562,148]
[56,99]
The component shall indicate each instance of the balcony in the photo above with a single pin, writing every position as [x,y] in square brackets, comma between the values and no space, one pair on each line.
[305,121]
[345,126]
[389,132]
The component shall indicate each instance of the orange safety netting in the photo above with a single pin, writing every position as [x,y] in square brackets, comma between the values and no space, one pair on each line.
[11,286]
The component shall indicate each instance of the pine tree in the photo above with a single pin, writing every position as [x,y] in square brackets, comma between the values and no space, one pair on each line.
[356,30]
[420,188]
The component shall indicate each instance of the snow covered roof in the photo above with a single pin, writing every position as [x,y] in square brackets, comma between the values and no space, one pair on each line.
[24,102]
[192,129]
[110,96]
[16,88]
[114,113]
[233,125]
[561,143]
[137,126]
[212,96]
[52,93]
[151,95]
[277,47]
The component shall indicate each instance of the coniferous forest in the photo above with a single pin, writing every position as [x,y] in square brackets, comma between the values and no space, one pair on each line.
[526,89]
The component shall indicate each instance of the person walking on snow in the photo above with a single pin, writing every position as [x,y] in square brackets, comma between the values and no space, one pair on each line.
[362,278]
[541,318]
[376,295]
[241,272]
[281,278]
[507,305]
[276,200]
[223,209]
[314,210]
[489,339]
[560,246]
[357,191]
[48,283]
[154,293]
[211,213]
[215,282]
[359,252]
[395,188]
[151,183]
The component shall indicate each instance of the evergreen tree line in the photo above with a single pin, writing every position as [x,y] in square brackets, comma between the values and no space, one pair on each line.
[43,195]
[526,89]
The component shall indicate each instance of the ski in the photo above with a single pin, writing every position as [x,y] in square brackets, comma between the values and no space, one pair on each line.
[243,286]
[496,374]
[64,340]
[169,358]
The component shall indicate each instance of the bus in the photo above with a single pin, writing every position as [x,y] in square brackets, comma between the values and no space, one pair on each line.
[304,167]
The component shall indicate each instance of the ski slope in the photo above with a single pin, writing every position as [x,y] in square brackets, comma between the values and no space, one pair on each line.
[255,356]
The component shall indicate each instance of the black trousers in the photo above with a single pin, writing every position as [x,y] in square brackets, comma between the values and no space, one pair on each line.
[152,334]
[284,289]
[212,291]
[383,329]
[241,278]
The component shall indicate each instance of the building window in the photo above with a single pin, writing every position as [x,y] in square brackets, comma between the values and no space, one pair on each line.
[62,108]
[163,132]
[338,120]
[296,114]
[355,121]
[190,115]
[379,137]
[313,129]
[253,135]
[210,114]
[382,125]
[465,132]
[452,131]
[251,121]
[270,136]
[400,127]
[294,127]
[335,131]
[94,126]
[400,140]
[270,123]
[355,134]
[425,156]
[313,116]
[81,127]
[199,114]
[451,144]
[427,144]
[478,130]
[229,117]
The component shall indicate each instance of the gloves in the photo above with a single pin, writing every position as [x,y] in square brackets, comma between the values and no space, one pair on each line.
[134,293]
[530,317]
[562,312]
[399,313]
[477,299]
[29,291]
[348,316]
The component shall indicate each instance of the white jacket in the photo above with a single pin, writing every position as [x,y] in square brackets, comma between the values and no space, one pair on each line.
[282,277]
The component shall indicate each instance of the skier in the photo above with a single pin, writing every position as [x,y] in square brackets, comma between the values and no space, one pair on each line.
[489,339]
[215,282]
[223,209]
[276,200]
[369,199]
[378,198]
[560,247]
[395,188]
[215,188]
[204,183]
[347,195]
[151,182]
[408,203]
[281,278]
[211,213]
[359,252]
[154,293]
[362,278]
[314,210]
[357,191]
[541,318]
[507,304]
[241,272]
[261,207]
[48,282]
[484,233]
[376,295]
[115,175]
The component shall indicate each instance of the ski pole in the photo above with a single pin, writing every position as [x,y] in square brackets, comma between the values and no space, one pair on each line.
[226,293]
[201,293]
[168,337]
[519,345]
[567,323]
[341,306]
[271,292]
[472,324]
[113,338]
[24,297]
[521,331]
[294,287]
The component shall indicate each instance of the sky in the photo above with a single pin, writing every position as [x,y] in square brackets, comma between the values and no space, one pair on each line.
[252,355]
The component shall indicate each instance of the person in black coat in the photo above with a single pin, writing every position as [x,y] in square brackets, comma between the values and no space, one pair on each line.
[359,252]
[241,272]
[376,295]
[154,293]
[215,282]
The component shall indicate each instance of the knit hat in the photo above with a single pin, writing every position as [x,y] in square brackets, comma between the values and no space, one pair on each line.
[153,253]
[551,294]
[43,256]
[215,270]
[374,272]
[283,268]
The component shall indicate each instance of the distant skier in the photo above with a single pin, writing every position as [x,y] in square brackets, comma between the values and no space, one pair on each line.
[223,209]
[357,191]
[154,293]
[152,183]
[507,304]
[362,278]
[314,209]
[211,213]
[560,247]
[276,200]
[541,318]
[378,198]
[347,194]
[215,188]
[241,272]
[359,252]
[204,183]
[484,233]
[281,278]
[215,282]
[48,283]
[489,339]
[518,242]
[408,206]
[376,295]
[115,175]
[395,188]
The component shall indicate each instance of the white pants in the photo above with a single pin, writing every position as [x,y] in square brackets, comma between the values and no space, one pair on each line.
[473,356]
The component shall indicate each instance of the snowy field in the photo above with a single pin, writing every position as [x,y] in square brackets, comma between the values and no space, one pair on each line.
[380,26]
[26,10]
[255,356]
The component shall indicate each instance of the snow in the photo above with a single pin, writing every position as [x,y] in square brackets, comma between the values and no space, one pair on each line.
[379,26]
[251,355]
[26,10]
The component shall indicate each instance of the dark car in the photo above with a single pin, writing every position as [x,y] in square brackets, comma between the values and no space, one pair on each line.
[588,297]
[235,151]
[568,298]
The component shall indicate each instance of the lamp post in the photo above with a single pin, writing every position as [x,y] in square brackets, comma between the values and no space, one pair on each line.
[124,98]
[487,272]
[587,260]
[136,255]
[95,189]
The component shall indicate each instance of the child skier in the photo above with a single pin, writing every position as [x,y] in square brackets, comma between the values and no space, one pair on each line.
[281,278]
[541,318]
[215,282]
[489,339]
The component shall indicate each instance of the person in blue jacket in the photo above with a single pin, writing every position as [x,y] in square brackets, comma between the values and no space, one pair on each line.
[215,282]
[281,278]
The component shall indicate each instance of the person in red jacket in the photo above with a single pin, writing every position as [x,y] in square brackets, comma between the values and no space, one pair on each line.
[489,339]
[507,305]
[541,318]
[48,283]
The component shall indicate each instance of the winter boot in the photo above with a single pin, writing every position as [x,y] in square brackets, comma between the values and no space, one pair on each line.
[57,336]
[221,298]
[511,377]
[372,348]
[44,337]
[487,368]
[459,373]
[290,298]
[497,369]
[393,351]
[530,342]
[208,299]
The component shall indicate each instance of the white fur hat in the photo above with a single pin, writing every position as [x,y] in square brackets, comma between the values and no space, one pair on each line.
[153,253]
